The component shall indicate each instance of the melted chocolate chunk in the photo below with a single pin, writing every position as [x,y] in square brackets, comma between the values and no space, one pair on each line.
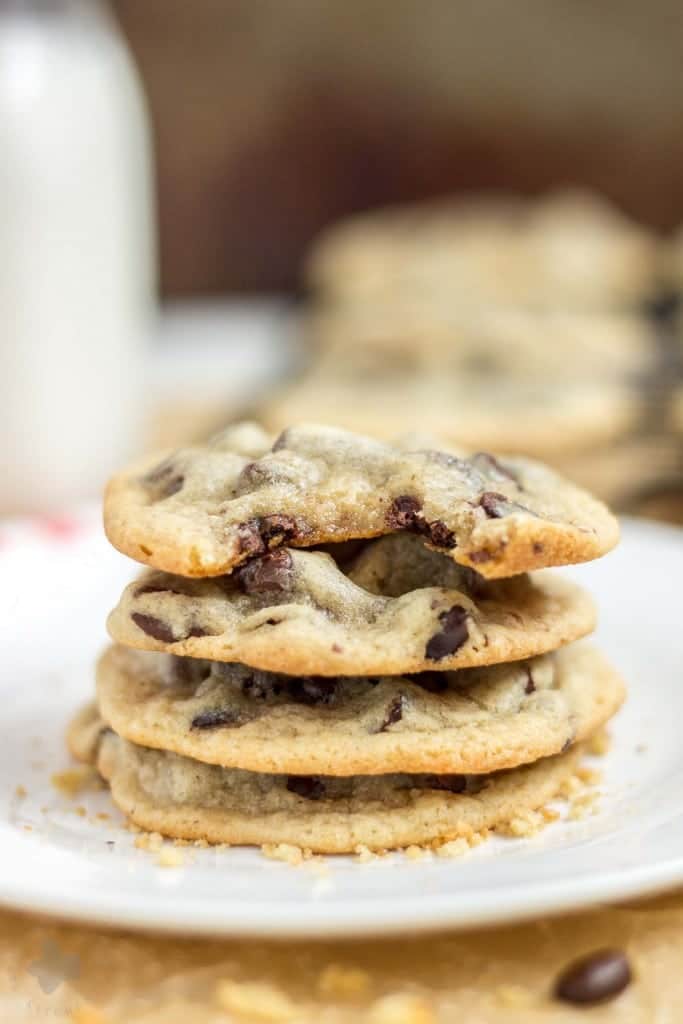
[439,534]
[273,573]
[433,682]
[154,627]
[406,513]
[306,786]
[594,979]
[494,505]
[312,690]
[451,636]
[216,718]
[156,588]
[164,480]
[393,714]
[249,538]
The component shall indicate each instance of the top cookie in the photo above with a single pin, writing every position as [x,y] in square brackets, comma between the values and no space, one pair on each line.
[205,509]
[569,250]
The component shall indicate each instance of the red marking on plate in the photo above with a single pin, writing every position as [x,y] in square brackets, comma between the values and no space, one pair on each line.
[60,528]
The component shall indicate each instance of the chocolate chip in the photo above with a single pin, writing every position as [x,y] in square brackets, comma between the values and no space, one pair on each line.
[273,573]
[593,979]
[404,511]
[494,504]
[393,714]
[164,480]
[306,786]
[537,547]
[155,588]
[439,534]
[154,627]
[249,538]
[530,686]
[312,690]
[433,682]
[216,718]
[450,783]
[451,636]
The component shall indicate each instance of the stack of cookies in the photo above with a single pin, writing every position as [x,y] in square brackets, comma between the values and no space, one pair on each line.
[345,644]
[538,326]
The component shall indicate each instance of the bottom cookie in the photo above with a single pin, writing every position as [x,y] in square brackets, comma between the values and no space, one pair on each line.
[186,799]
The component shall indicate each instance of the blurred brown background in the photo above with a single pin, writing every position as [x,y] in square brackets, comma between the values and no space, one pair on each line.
[273,117]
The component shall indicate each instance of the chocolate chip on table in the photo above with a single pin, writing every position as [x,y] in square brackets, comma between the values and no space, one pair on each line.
[451,636]
[272,573]
[306,786]
[216,718]
[594,979]
[393,714]
[311,690]
[154,627]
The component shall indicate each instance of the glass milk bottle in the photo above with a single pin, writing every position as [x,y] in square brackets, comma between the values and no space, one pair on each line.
[77,253]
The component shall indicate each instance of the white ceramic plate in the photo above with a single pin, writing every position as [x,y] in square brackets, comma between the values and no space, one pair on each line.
[58,579]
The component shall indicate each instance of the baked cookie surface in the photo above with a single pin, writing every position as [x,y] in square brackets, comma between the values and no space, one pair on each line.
[396,606]
[472,721]
[206,509]
[185,799]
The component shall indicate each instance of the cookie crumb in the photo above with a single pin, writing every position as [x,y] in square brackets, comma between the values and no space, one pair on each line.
[343,982]
[523,826]
[151,841]
[81,811]
[590,776]
[170,857]
[583,806]
[514,997]
[255,1001]
[401,1008]
[285,852]
[21,792]
[364,854]
[416,852]
[74,780]
[599,743]
[454,848]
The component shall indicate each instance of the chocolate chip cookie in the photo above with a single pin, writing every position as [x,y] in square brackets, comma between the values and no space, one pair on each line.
[396,606]
[472,721]
[567,250]
[204,510]
[183,798]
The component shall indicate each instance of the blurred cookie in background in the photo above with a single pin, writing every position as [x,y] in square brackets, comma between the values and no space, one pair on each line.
[540,383]
[568,250]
